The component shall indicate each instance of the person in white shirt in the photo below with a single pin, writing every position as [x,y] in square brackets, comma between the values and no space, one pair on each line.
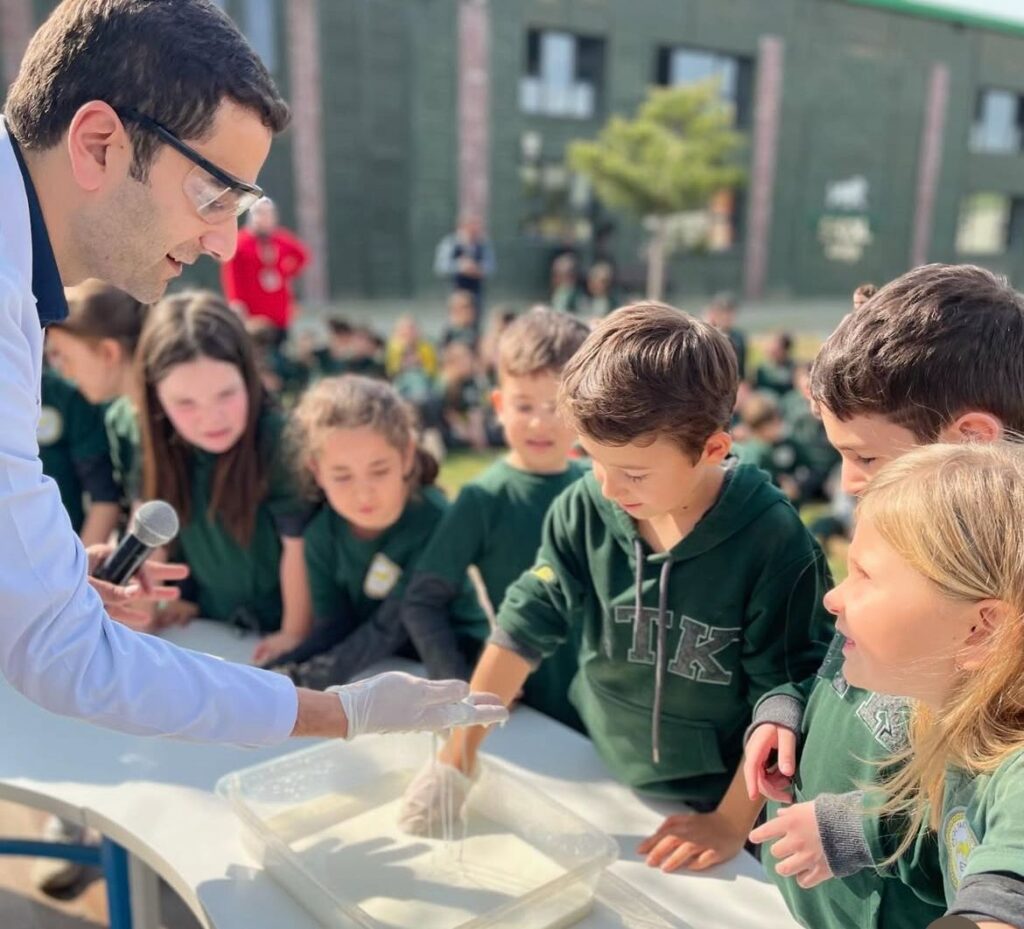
[130,145]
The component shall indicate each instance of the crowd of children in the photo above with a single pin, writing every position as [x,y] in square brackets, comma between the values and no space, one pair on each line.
[625,567]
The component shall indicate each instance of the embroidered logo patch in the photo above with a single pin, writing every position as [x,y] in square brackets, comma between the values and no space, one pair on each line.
[544,573]
[960,841]
[381,577]
[51,426]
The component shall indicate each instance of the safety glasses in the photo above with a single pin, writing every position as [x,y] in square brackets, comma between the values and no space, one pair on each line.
[216,194]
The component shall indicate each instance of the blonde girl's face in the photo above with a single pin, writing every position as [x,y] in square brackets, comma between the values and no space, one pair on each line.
[93,367]
[902,635]
[207,403]
[364,477]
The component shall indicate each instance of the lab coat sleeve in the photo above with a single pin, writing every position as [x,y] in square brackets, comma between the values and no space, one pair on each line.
[57,645]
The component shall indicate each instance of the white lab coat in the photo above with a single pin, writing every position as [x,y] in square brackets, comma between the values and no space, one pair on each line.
[57,645]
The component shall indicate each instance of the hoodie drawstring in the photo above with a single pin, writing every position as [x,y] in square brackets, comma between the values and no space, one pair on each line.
[659,657]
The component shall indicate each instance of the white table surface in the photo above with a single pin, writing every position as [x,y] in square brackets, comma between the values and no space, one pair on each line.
[155,797]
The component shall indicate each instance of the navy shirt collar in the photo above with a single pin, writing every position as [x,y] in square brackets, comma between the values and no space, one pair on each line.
[47,287]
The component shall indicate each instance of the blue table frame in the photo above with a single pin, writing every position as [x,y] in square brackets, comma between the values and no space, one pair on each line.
[108,855]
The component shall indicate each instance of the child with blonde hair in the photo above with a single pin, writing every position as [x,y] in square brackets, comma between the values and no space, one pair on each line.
[933,610]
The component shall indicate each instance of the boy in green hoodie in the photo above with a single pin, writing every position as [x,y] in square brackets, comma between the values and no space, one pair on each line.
[495,523]
[690,588]
[937,355]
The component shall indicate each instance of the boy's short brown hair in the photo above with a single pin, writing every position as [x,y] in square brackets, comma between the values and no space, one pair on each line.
[538,341]
[934,343]
[650,370]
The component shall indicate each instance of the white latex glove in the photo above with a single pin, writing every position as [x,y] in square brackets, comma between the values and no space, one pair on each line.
[398,702]
[437,789]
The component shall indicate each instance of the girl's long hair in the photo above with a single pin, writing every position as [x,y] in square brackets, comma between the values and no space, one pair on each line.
[955,513]
[180,329]
[351,402]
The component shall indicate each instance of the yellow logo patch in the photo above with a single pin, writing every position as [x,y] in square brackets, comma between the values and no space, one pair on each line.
[544,573]
[960,841]
[50,427]
[381,577]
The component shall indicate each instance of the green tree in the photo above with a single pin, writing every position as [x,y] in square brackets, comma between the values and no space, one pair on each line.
[678,151]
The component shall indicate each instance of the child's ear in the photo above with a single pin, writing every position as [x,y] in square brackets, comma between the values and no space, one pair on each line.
[974,426]
[986,618]
[497,401]
[716,448]
[110,351]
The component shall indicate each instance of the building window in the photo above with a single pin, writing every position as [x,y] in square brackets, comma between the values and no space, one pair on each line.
[677,67]
[990,224]
[998,122]
[563,74]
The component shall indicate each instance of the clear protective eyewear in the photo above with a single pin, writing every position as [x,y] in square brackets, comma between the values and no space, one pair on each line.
[216,194]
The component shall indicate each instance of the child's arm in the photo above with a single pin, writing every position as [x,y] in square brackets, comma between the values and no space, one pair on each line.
[784,648]
[499,671]
[437,580]
[700,840]
[532,622]
[100,523]
[297,618]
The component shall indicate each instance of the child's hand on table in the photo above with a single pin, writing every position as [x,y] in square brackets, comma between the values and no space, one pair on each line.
[271,647]
[797,844]
[771,781]
[438,790]
[694,841]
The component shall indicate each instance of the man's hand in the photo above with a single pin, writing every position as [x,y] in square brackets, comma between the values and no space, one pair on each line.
[771,782]
[127,603]
[393,702]
[694,841]
[797,844]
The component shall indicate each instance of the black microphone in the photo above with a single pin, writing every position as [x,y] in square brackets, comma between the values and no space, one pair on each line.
[155,524]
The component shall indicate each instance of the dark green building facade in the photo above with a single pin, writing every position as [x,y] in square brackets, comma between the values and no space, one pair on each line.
[897,137]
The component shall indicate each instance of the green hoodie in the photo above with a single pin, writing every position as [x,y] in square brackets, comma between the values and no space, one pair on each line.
[666,701]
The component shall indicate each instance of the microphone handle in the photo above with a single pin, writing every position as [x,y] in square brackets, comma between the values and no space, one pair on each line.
[124,561]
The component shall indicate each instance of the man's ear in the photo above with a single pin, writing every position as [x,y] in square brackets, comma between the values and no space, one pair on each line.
[99,148]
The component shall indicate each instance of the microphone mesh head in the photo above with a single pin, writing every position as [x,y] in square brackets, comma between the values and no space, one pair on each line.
[155,523]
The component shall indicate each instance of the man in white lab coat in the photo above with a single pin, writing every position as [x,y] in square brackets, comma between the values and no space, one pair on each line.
[130,144]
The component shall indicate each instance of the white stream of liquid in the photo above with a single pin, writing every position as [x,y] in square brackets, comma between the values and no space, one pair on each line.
[450,828]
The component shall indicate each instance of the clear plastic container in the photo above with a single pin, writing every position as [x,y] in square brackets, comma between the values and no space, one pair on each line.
[323,822]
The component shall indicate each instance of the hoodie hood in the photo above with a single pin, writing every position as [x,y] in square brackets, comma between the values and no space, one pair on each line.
[746,493]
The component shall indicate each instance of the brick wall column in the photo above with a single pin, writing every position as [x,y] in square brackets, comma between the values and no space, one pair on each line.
[15,31]
[767,116]
[474,108]
[929,165]
[303,26]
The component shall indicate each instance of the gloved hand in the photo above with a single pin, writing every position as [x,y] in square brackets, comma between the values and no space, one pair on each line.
[438,792]
[398,702]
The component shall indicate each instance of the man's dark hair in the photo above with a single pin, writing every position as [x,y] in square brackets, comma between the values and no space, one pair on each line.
[174,61]
[937,342]
[649,370]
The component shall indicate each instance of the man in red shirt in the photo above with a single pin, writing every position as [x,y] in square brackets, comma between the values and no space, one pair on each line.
[257,281]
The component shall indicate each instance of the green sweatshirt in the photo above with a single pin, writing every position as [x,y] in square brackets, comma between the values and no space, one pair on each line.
[845,733]
[358,586]
[495,524]
[242,583]
[740,612]
[981,843]
[124,439]
[72,447]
